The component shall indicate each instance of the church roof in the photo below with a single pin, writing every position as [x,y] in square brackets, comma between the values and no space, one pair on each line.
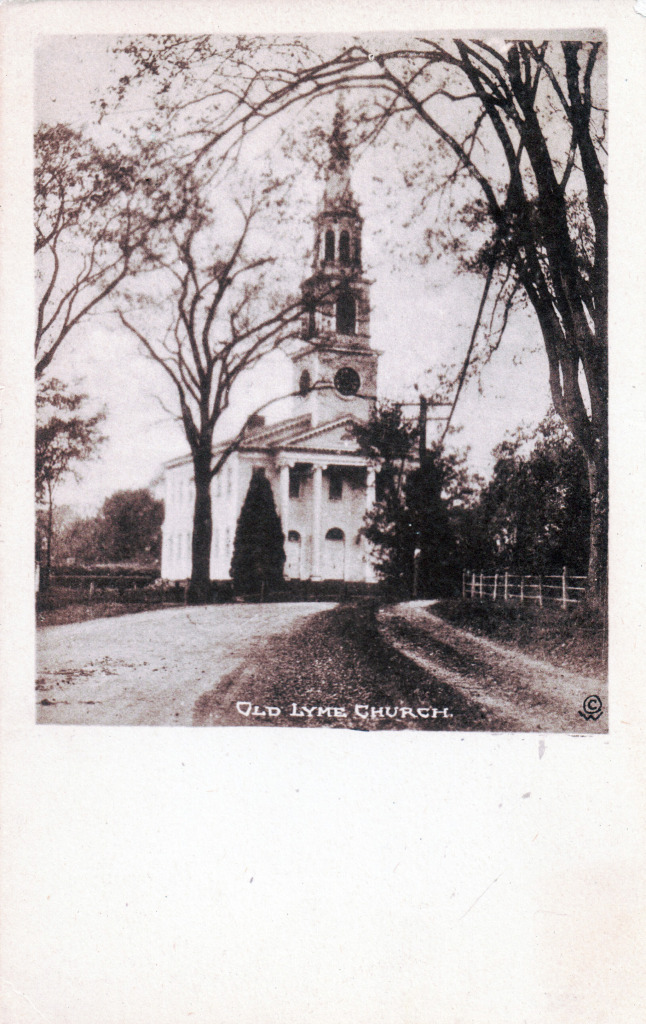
[299,435]
[294,435]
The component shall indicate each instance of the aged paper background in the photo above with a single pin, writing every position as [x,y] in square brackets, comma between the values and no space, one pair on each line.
[214,875]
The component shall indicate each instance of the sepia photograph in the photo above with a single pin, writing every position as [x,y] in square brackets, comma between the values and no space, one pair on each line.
[330,440]
[321,362]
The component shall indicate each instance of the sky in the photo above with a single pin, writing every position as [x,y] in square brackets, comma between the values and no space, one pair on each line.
[422,317]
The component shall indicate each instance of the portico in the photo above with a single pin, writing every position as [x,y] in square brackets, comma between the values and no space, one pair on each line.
[322,516]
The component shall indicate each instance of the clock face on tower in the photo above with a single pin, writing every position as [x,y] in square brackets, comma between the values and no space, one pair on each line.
[347,381]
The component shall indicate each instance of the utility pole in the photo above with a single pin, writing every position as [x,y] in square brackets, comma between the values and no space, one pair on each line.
[423,409]
[424,404]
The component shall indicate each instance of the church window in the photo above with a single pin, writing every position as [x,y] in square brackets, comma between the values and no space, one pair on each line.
[336,489]
[357,250]
[344,247]
[294,483]
[329,245]
[304,383]
[335,534]
[347,381]
[294,536]
[346,313]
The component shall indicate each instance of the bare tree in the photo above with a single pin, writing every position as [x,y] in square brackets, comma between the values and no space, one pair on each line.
[218,320]
[95,213]
[531,140]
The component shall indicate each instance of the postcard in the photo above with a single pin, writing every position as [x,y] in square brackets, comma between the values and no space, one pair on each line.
[321,585]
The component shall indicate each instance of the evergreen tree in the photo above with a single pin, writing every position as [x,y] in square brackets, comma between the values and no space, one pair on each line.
[259,545]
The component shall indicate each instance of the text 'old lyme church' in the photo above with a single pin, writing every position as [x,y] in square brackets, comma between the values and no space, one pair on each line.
[322,484]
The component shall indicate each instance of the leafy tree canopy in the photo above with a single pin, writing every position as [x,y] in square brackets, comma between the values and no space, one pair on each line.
[534,514]
[415,526]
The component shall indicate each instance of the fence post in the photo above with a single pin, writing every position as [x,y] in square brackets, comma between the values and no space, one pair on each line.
[495,586]
[481,586]
[522,589]
[506,585]
[564,588]
[540,591]
[473,585]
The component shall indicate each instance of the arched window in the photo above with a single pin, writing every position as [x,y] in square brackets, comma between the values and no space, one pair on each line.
[304,383]
[294,537]
[346,313]
[357,250]
[335,534]
[344,247]
[329,245]
[311,320]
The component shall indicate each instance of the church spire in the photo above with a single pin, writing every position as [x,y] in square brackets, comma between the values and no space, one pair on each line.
[337,195]
[339,148]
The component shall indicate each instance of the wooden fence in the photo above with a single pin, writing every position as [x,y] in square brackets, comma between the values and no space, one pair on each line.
[562,589]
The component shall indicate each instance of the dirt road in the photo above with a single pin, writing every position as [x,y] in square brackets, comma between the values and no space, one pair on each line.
[149,668]
[345,666]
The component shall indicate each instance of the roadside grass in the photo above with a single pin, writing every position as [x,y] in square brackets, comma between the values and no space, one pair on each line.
[575,639]
[83,612]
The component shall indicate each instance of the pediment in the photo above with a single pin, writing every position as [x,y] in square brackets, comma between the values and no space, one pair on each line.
[335,436]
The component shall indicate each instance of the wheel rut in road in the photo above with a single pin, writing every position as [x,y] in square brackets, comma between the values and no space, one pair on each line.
[525,694]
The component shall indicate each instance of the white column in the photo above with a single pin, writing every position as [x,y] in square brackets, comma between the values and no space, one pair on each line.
[284,498]
[316,523]
[370,500]
[370,488]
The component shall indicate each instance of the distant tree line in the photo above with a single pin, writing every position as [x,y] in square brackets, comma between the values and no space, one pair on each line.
[127,528]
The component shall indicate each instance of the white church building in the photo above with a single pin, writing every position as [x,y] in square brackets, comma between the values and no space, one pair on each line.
[322,483]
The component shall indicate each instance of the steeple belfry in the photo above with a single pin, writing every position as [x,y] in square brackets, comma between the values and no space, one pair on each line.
[336,322]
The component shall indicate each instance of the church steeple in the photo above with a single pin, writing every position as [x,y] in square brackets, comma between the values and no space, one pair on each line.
[338,224]
[336,321]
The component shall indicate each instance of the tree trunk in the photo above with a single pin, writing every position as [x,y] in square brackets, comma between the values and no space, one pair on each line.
[598,562]
[45,571]
[200,585]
